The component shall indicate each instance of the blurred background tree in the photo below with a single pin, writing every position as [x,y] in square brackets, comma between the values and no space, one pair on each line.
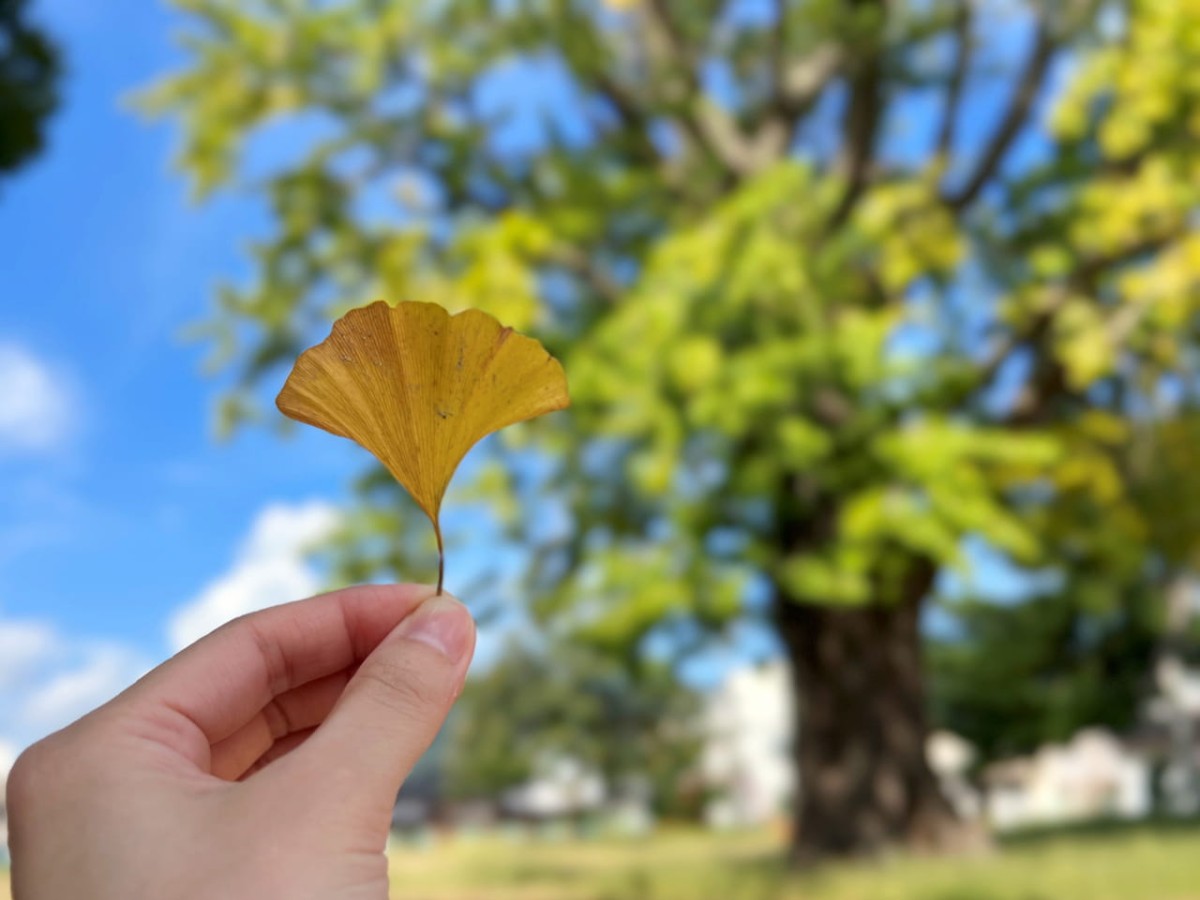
[29,77]
[640,732]
[1084,649]
[838,284]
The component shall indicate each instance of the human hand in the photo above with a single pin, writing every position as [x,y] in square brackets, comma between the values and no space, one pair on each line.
[261,762]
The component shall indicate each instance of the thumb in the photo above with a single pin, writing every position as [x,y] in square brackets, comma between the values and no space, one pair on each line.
[392,708]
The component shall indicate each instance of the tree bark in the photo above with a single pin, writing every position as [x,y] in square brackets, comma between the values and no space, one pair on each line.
[864,783]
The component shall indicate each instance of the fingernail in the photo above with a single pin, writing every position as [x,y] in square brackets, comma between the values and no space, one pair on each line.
[442,623]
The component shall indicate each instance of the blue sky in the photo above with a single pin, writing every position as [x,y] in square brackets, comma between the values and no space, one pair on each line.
[118,510]
[125,529]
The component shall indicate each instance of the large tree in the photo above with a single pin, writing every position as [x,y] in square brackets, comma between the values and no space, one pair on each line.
[831,296]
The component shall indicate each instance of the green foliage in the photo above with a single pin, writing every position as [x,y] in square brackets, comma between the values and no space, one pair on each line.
[1080,655]
[1041,670]
[29,75]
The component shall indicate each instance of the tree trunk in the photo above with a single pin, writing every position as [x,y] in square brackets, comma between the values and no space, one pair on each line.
[864,782]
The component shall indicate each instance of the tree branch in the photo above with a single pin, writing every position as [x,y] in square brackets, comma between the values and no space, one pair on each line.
[796,86]
[861,124]
[634,118]
[804,80]
[710,126]
[587,270]
[799,86]
[1020,104]
[958,78]
[1084,278]
[777,50]
[681,51]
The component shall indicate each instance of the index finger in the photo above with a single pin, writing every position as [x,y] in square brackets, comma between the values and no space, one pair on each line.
[212,688]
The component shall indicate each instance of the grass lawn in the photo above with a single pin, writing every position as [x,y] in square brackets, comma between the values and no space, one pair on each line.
[1148,862]
[1151,862]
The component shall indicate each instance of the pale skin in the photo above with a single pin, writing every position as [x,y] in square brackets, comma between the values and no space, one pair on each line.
[259,763]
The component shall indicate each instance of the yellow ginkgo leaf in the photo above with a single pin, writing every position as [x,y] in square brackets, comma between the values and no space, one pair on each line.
[418,388]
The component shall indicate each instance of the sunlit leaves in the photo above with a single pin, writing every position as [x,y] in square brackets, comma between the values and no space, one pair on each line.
[912,231]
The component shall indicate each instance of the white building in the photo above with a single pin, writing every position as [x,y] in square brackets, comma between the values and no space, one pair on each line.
[950,757]
[748,724]
[1176,710]
[1092,776]
[560,787]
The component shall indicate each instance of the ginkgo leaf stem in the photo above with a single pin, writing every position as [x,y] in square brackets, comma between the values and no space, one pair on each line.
[437,531]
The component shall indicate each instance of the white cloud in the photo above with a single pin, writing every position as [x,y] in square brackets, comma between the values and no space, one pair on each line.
[103,672]
[37,406]
[48,678]
[270,568]
[24,646]
[8,756]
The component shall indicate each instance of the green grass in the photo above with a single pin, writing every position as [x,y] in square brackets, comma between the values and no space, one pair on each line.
[1152,862]
[1145,862]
